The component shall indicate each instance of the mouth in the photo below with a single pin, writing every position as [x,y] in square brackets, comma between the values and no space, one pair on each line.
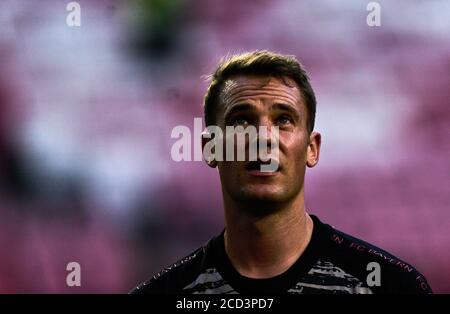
[261,168]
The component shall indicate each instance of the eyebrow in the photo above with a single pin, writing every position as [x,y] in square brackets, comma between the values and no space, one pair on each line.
[238,108]
[248,107]
[286,107]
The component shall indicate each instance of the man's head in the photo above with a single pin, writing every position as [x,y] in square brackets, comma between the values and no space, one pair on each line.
[265,89]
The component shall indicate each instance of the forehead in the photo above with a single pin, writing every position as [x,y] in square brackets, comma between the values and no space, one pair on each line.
[243,87]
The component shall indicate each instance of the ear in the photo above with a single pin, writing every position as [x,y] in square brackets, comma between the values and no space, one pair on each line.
[210,161]
[312,155]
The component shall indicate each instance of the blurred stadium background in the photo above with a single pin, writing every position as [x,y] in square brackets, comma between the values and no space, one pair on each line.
[86,115]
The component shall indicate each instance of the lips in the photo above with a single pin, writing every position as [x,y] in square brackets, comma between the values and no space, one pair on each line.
[256,165]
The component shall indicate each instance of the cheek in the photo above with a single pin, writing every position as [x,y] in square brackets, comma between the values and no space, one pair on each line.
[294,149]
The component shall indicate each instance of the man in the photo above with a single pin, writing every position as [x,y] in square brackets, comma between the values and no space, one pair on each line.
[270,243]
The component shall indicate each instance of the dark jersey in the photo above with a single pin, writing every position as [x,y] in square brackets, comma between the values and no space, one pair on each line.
[333,262]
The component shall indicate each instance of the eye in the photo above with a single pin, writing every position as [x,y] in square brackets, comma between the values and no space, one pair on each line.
[240,121]
[284,120]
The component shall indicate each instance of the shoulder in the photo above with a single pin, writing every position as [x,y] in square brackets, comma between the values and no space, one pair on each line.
[175,277]
[379,269]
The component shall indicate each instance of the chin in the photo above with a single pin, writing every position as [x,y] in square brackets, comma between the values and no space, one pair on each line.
[266,194]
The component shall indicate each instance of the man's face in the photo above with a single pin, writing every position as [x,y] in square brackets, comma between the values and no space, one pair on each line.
[266,101]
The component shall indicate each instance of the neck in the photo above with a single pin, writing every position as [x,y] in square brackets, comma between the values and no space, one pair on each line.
[266,246]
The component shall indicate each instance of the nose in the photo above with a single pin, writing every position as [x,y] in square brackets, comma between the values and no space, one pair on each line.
[266,130]
[267,138]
